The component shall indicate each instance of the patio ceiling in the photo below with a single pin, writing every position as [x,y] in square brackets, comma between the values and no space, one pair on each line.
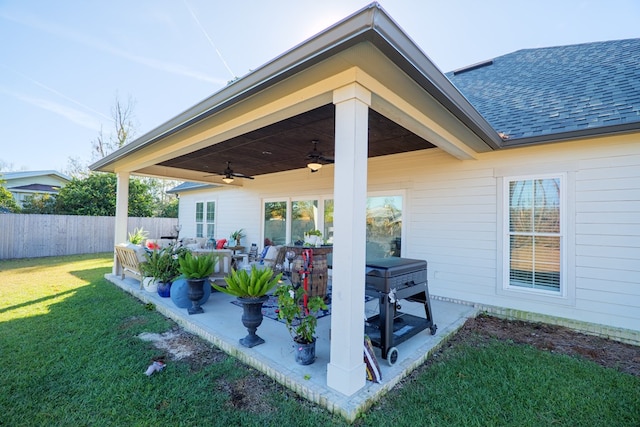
[285,145]
[264,122]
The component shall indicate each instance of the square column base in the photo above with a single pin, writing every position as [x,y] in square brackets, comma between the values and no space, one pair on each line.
[345,381]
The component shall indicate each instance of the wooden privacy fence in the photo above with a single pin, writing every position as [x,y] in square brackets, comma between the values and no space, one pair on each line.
[32,236]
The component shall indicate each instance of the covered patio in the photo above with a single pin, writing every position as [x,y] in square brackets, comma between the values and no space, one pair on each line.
[369,95]
[220,324]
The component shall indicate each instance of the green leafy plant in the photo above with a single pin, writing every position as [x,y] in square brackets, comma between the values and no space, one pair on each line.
[313,233]
[242,284]
[138,236]
[237,235]
[301,322]
[163,264]
[197,266]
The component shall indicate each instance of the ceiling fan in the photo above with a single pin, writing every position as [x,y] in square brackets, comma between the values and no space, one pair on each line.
[229,174]
[316,157]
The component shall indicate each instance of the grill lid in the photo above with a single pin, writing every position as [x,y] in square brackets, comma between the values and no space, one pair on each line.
[393,266]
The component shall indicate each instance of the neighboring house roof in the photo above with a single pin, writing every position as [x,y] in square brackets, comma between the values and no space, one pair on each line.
[577,90]
[36,188]
[189,186]
[33,174]
[25,183]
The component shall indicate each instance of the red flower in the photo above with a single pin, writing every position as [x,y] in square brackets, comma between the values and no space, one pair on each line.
[152,246]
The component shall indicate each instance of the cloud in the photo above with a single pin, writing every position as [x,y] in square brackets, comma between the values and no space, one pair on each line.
[76,116]
[94,43]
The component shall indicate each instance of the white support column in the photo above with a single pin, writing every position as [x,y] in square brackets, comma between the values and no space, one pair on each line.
[122,214]
[346,369]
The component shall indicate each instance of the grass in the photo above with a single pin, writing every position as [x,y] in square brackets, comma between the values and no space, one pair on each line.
[70,357]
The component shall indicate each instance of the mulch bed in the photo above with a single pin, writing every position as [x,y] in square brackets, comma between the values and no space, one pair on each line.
[555,339]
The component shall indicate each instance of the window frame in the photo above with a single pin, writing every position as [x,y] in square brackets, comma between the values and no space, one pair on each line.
[505,284]
[205,223]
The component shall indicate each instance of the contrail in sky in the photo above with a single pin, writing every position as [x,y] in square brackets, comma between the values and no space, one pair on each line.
[209,38]
[62,95]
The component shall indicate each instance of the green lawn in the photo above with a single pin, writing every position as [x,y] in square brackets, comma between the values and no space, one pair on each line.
[70,356]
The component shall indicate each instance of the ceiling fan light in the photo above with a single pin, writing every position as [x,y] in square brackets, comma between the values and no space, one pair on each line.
[227,179]
[314,166]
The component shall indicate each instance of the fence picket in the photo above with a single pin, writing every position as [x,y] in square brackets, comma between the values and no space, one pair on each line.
[33,235]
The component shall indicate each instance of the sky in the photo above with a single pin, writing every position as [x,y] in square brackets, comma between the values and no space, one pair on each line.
[64,63]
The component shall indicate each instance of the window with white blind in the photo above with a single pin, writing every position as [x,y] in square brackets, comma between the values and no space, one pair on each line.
[534,235]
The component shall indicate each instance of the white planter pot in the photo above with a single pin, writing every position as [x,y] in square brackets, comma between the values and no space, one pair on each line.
[313,240]
[149,284]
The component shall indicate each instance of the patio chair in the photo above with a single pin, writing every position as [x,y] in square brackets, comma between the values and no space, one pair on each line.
[253,252]
[272,256]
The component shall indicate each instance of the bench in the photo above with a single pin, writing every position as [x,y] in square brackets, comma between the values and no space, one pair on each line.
[130,261]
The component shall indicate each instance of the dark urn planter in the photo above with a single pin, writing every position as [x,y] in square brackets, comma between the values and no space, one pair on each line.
[251,319]
[164,289]
[305,353]
[195,294]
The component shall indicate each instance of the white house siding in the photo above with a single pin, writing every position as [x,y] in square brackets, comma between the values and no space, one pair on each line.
[452,218]
[242,207]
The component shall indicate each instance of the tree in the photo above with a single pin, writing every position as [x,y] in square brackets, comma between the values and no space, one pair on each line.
[169,209]
[39,204]
[166,204]
[123,132]
[7,202]
[95,195]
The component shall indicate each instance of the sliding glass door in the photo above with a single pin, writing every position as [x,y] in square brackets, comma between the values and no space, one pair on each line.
[383,222]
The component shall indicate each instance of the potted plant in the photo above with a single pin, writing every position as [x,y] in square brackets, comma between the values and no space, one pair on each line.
[138,236]
[162,265]
[196,269]
[301,320]
[251,290]
[237,235]
[313,238]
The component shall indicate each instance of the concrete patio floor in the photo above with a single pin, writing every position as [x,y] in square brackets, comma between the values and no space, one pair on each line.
[221,325]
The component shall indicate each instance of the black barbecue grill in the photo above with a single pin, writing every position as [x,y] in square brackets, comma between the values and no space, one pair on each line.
[390,280]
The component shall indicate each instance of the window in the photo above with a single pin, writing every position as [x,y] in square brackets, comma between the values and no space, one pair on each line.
[211,219]
[327,233]
[275,222]
[534,233]
[199,218]
[384,226]
[286,221]
[304,217]
[205,219]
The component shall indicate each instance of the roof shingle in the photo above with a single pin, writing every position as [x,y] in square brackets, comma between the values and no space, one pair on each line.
[535,92]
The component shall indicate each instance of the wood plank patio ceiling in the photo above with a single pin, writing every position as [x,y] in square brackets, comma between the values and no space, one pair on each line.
[285,145]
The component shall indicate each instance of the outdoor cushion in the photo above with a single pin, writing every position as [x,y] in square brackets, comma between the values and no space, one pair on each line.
[270,256]
[264,253]
[139,250]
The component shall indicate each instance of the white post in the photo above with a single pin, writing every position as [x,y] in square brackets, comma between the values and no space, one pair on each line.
[346,370]
[122,214]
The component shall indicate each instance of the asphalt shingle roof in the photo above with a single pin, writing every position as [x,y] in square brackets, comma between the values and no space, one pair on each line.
[535,92]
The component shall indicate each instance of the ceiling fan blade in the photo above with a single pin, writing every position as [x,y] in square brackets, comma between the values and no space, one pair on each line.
[241,175]
[327,159]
